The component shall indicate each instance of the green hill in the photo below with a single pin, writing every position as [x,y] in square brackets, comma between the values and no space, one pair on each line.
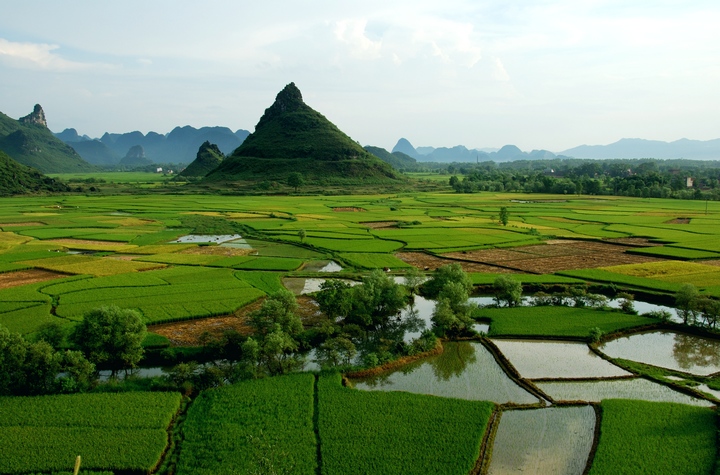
[30,142]
[292,137]
[208,158]
[17,179]
[397,160]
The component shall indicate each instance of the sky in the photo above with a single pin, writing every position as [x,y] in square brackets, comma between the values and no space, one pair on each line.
[537,74]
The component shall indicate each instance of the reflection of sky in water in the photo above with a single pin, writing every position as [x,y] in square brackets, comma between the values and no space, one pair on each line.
[552,359]
[332,266]
[646,307]
[677,351]
[465,370]
[596,391]
[553,440]
[216,239]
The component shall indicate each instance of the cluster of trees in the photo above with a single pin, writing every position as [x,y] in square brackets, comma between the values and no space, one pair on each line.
[108,336]
[640,178]
[695,309]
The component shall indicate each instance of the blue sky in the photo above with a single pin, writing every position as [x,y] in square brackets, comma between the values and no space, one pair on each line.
[537,74]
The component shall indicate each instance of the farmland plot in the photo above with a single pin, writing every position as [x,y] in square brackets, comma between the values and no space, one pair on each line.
[122,432]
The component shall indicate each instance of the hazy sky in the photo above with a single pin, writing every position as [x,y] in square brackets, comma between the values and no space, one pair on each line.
[537,74]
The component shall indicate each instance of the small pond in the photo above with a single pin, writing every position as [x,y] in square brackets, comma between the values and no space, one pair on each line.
[322,266]
[301,286]
[556,360]
[212,239]
[646,307]
[553,440]
[666,349]
[636,388]
[465,370]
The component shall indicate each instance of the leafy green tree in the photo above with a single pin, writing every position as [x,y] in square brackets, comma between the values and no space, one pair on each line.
[111,336]
[276,328]
[53,333]
[709,310]
[278,309]
[302,234]
[296,180]
[452,312]
[413,278]
[443,275]
[508,291]
[334,298]
[627,302]
[686,303]
[504,215]
[336,351]
[376,300]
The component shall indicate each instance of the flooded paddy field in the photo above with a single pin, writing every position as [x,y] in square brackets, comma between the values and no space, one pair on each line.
[553,440]
[465,370]
[636,388]
[672,350]
[556,360]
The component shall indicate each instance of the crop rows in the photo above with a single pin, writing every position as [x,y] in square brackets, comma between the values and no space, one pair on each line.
[373,261]
[124,431]
[657,438]
[250,427]
[394,432]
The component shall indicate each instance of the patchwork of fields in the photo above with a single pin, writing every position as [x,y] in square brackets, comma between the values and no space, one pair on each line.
[60,257]
[63,256]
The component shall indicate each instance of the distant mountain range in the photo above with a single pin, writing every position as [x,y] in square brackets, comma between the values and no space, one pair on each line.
[460,153]
[640,148]
[178,146]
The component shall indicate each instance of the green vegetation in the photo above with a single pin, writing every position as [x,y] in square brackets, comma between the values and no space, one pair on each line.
[17,179]
[263,426]
[208,158]
[651,437]
[372,261]
[33,145]
[293,138]
[557,321]
[117,432]
[393,432]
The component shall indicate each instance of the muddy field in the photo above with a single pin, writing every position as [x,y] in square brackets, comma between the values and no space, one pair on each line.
[380,224]
[23,277]
[193,332]
[554,256]
[427,262]
[351,209]
[217,251]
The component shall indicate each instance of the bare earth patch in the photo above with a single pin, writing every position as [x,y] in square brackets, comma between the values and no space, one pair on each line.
[678,221]
[633,241]
[556,255]
[217,251]
[29,223]
[351,209]
[193,332]
[380,224]
[23,277]
[427,262]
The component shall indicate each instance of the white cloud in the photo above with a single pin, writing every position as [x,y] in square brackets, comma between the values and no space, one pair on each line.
[352,33]
[38,56]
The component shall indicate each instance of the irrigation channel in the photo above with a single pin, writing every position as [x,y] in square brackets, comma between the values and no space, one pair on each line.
[545,390]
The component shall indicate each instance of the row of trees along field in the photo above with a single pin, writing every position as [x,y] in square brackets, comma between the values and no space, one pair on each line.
[639,178]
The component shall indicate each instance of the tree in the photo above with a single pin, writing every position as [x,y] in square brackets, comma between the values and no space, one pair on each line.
[296,180]
[413,279]
[504,215]
[334,298]
[336,351]
[278,309]
[302,235]
[111,336]
[376,300]
[444,275]
[507,291]
[452,312]
[686,303]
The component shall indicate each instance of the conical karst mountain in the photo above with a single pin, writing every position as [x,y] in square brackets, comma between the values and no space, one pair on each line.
[292,137]
[208,158]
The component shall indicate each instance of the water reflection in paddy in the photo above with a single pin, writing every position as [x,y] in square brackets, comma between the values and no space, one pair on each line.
[556,360]
[553,440]
[465,370]
[677,351]
[596,391]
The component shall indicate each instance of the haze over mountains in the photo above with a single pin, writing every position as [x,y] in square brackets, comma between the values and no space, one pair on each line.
[178,146]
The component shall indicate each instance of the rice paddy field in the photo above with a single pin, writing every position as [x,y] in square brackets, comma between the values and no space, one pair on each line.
[62,256]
